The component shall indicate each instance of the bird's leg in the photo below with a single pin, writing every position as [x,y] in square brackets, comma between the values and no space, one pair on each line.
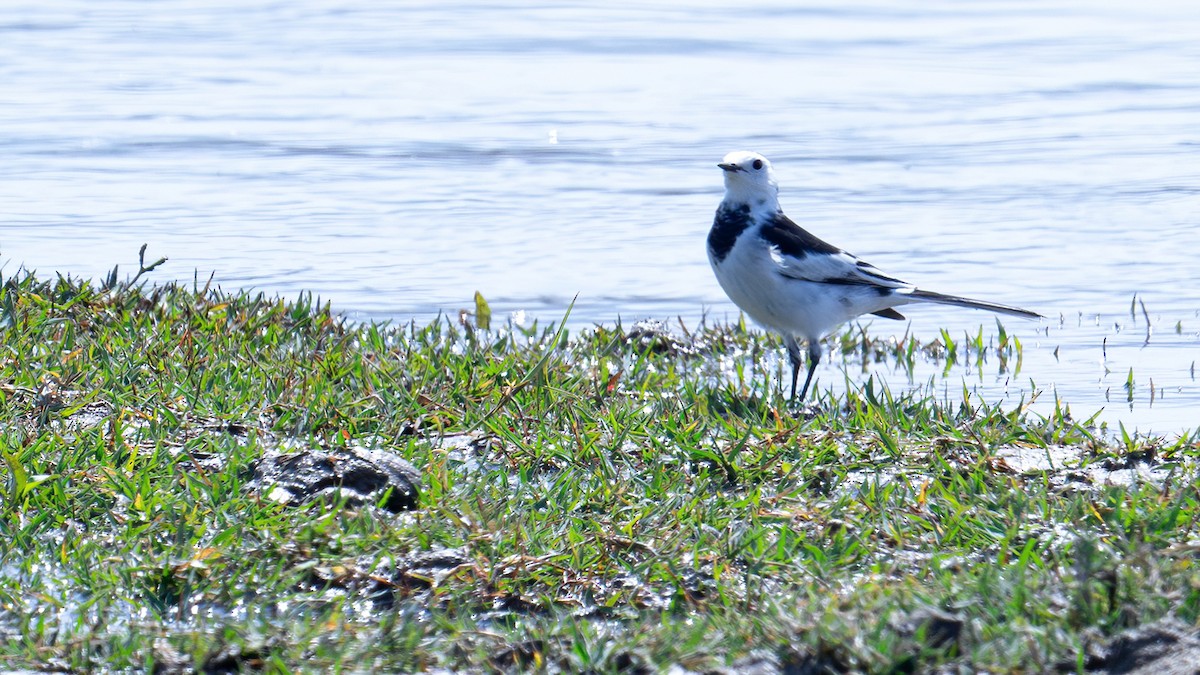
[814,357]
[797,358]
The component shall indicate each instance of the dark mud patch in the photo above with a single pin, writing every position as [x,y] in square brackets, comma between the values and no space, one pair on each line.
[226,659]
[355,476]
[787,661]
[410,578]
[934,629]
[425,569]
[655,337]
[1066,465]
[1065,468]
[1167,647]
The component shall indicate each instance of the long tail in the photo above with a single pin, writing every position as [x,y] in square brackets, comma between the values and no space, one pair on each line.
[941,299]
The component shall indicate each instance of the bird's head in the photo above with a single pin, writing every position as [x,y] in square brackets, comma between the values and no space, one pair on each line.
[748,178]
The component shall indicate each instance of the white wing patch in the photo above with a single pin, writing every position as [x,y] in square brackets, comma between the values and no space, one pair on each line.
[839,268]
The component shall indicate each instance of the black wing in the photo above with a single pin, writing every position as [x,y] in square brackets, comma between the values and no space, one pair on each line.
[805,257]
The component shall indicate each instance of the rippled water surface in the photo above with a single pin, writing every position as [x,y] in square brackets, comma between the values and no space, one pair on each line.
[397,158]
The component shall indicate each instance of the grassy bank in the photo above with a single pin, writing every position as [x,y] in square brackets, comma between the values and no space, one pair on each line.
[617,500]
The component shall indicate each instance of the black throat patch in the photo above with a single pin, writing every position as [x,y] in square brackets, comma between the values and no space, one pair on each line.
[729,223]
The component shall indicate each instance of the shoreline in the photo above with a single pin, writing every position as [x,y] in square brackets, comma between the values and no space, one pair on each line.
[619,499]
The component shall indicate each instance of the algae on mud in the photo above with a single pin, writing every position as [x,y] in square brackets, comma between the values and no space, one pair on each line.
[614,500]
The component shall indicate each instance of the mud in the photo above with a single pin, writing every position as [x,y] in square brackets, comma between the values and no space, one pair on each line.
[355,476]
[1166,647]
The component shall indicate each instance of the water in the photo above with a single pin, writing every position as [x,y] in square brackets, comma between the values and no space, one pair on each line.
[396,158]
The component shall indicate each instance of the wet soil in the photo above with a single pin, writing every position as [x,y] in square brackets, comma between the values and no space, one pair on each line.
[354,476]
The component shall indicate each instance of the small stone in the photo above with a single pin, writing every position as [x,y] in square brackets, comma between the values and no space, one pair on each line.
[356,475]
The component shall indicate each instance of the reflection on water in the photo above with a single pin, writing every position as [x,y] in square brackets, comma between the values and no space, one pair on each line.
[397,159]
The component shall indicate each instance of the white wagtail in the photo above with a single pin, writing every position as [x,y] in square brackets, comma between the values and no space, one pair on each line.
[790,281]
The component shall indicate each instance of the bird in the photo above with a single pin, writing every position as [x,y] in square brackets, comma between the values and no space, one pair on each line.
[794,283]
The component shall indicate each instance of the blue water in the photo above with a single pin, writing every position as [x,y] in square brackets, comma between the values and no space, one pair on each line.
[396,158]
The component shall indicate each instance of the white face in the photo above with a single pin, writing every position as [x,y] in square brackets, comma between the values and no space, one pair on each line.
[748,173]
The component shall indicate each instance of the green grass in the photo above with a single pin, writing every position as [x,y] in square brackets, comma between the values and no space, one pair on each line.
[612,500]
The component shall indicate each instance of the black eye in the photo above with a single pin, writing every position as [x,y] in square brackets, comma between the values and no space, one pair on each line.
[757,164]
